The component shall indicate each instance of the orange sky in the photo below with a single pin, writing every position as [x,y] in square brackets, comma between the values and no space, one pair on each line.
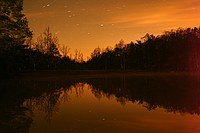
[86,24]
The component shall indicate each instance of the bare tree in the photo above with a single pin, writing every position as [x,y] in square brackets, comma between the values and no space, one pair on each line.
[64,50]
[78,56]
[47,43]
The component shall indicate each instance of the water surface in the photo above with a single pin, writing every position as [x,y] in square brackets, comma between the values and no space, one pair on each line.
[102,104]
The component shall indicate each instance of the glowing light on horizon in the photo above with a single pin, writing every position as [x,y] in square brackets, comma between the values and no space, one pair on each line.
[109,21]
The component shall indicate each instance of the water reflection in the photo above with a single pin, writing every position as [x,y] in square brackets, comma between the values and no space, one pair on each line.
[14,119]
[19,100]
[174,93]
[48,103]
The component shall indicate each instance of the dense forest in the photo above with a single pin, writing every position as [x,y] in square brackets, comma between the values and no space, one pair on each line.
[175,50]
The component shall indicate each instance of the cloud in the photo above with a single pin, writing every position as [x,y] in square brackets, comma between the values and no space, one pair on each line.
[168,15]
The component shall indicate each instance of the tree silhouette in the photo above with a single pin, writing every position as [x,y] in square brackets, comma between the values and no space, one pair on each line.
[175,50]
[14,25]
[64,51]
[47,43]
[14,31]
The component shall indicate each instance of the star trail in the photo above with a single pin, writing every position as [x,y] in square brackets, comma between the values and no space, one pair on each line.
[86,24]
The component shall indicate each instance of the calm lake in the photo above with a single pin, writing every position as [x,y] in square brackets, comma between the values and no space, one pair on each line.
[104,104]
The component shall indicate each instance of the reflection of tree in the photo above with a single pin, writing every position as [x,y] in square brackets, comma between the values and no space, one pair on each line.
[48,103]
[78,88]
[115,86]
[174,93]
[16,108]
[13,119]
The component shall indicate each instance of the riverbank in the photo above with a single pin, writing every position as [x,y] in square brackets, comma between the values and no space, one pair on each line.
[62,74]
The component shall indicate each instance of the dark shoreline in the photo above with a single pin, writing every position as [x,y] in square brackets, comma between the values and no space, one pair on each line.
[67,74]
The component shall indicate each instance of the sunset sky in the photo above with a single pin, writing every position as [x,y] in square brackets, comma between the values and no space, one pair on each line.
[87,24]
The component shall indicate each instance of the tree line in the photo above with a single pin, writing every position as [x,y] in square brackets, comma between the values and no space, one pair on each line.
[175,50]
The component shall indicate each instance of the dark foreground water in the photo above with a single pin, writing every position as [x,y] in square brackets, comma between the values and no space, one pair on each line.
[106,104]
